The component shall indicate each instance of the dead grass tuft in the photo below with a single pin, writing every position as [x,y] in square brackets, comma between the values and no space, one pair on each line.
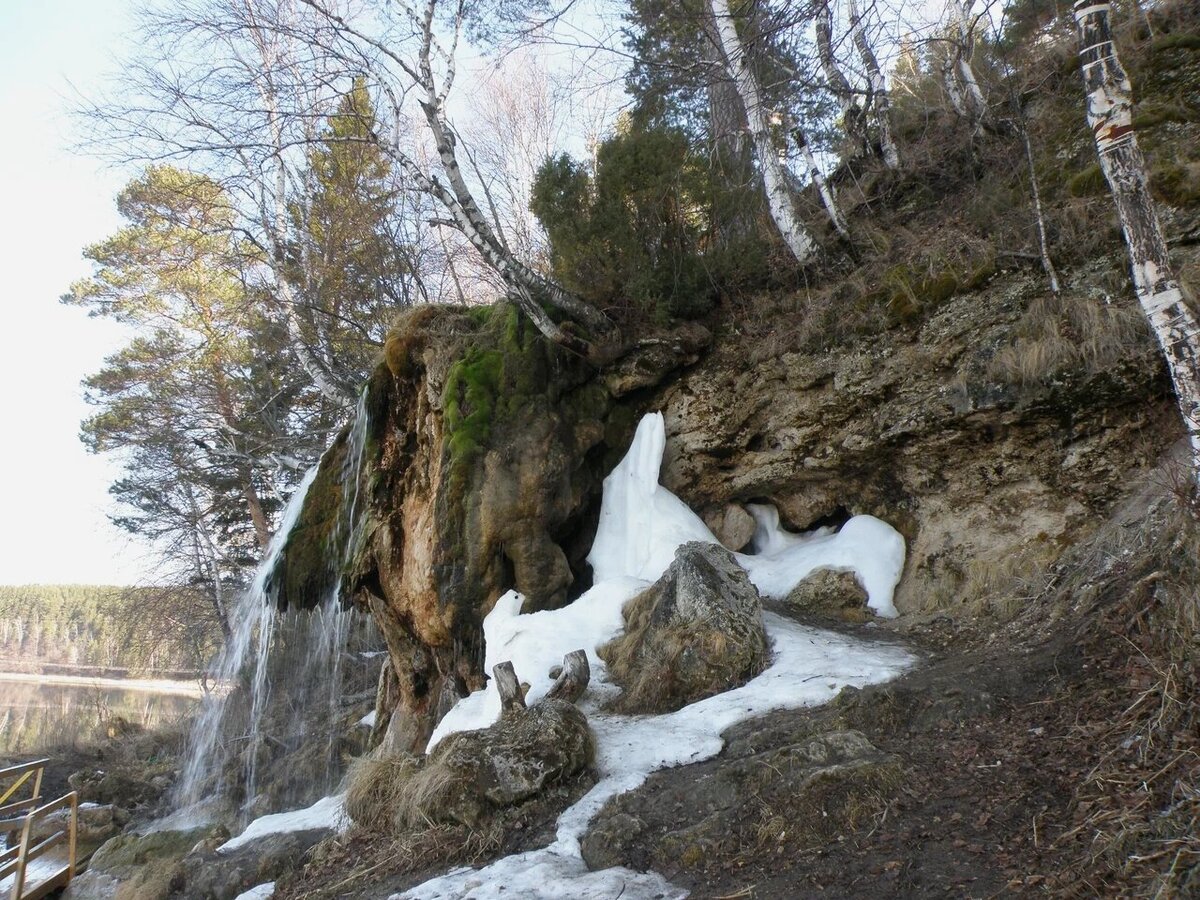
[376,787]
[1137,822]
[1069,334]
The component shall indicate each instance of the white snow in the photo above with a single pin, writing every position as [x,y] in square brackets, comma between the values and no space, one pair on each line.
[328,812]
[258,892]
[641,526]
[368,720]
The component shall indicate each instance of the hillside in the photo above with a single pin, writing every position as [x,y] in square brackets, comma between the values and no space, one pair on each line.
[94,629]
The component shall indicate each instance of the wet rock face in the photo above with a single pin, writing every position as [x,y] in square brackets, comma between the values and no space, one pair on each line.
[808,791]
[482,472]
[696,632]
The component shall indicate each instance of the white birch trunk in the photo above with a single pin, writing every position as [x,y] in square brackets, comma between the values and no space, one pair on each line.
[779,198]
[879,92]
[1110,114]
[824,188]
[852,114]
[976,102]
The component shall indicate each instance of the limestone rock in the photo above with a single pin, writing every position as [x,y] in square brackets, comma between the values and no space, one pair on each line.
[696,632]
[656,358]
[471,776]
[732,525]
[829,593]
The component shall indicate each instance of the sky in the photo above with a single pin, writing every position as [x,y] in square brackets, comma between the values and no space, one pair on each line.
[54,500]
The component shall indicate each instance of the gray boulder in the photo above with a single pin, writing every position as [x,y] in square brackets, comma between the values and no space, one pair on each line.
[696,632]
[828,592]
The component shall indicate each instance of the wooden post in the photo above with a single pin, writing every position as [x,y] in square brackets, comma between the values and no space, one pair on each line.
[573,680]
[511,695]
[1110,114]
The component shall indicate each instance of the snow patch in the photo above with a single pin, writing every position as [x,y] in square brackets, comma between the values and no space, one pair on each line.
[642,524]
[368,721]
[328,812]
[258,892]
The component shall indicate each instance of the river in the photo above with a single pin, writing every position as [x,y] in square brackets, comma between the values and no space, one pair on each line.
[37,712]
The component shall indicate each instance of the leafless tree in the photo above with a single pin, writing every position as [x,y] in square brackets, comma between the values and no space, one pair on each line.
[408,55]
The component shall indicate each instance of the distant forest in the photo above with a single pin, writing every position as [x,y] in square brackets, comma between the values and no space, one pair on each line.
[44,627]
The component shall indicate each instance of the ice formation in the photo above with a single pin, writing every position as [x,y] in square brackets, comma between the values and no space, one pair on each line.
[641,526]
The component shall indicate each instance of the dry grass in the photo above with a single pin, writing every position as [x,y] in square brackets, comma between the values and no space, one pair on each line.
[1137,823]
[1069,334]
[376,788]
[1000,587]
[361,860]
[649,662]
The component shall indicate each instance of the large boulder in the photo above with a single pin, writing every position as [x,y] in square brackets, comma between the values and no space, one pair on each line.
[472,776]
[696,632]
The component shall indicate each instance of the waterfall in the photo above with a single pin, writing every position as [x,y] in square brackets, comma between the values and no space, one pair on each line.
[282,675]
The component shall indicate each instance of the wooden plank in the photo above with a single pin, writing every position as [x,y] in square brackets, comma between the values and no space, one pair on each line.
[73,828]
[16,786]
[42,888]
[16,806]
[38,849]
[24,767]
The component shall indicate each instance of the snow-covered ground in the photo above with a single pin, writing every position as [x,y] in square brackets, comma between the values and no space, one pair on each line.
[641,526]
[258,892]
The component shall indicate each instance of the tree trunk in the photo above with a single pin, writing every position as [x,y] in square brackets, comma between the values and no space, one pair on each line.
[852,114]
[828,200]
[879,93]
[976,103]
[779,198]
[1110,114]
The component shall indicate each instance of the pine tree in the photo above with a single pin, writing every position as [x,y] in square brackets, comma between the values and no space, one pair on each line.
[352,271]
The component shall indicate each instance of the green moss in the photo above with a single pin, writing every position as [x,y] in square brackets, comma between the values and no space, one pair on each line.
[908,291]
[1152,115]
[1088,183]
[305,573]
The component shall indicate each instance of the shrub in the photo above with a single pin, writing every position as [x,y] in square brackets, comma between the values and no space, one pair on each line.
[636,237]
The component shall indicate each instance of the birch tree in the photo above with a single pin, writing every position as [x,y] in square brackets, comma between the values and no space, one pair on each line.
[852,115]
[879,93]
[424,67]
[1110,115]
[775,180]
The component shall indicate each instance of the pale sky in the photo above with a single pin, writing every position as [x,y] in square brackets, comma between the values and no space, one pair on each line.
[53,525]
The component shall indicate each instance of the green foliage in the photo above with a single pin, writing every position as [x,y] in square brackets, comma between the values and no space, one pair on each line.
[629,238]
[346,254]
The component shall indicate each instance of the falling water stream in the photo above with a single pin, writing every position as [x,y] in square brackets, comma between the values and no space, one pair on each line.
[283,672]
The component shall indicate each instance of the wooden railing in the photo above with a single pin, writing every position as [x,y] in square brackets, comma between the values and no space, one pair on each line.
[19,817]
